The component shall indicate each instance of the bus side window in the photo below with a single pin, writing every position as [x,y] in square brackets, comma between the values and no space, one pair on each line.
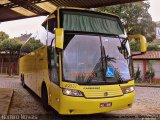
[50,25]
[52,55]
[51,37]
[32,44]
[25,49]
[42,35]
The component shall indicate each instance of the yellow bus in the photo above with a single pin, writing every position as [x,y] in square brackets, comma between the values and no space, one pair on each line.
[80,63]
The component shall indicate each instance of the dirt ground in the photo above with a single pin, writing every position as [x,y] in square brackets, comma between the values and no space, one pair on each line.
[25,102]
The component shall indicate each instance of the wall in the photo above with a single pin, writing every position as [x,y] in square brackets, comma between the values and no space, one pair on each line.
[155,65]
[4,64]
[156,68]
[139,63]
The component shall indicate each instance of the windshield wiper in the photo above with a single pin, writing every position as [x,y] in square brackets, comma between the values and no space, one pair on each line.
[112,59]
[104,62]
[97,66]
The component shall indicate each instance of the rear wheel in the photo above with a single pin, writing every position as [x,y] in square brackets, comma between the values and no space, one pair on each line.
[22,81]
[45,98]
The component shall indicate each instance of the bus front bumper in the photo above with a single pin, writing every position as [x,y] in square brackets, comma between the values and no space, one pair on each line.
[80,105]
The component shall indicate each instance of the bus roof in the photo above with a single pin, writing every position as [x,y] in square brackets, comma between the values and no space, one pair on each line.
[110,20]
[75,8]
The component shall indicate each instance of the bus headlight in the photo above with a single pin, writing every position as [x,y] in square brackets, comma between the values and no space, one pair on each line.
[71,92]
[127,89]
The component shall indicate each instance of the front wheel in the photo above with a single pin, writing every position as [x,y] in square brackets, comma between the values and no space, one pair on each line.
[45,98]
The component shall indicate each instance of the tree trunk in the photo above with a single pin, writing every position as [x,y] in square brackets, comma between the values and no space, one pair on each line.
[10,63]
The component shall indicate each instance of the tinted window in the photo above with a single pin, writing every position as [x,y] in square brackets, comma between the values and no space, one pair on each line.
[51,37]
[32,44]
[53,64]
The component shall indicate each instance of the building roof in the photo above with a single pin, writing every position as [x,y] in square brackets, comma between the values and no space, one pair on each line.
[18,9]
[23,38]
[152,55]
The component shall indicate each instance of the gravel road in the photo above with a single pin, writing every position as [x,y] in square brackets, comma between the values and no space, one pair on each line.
[25,102]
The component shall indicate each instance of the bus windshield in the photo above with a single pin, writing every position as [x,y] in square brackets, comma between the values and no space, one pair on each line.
[88,59]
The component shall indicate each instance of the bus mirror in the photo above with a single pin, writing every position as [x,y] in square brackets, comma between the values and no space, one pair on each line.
[142,41]
[59,38]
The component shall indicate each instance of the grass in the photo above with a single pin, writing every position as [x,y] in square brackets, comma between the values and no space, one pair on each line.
[146,84]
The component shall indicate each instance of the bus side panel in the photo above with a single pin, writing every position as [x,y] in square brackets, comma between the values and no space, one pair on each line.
[42,69]
[27,68]
[55,96]
[34,67]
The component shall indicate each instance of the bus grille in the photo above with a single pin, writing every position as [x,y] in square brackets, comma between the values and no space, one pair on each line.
[103,94]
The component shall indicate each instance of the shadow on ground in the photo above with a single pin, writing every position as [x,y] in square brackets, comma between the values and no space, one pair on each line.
[53,115]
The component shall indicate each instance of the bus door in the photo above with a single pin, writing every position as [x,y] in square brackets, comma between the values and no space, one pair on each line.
[53,66]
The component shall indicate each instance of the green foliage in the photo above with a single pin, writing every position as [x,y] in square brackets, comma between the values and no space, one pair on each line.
[137,74]
[7,44]
[10,45]
[152,47]
[135,17]
[134,46]
[31,45]
[3,36]
[150,69]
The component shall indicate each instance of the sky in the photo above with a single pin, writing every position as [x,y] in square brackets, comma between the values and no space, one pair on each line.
[30,25]
[155,9]
[17,27]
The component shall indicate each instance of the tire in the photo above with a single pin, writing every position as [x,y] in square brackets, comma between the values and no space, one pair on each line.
[22,81]
[45,98]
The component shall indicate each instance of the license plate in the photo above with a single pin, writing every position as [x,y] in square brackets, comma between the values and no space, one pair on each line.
[107,104]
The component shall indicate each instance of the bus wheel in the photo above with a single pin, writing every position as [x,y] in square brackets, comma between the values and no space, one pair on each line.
[22,81]
[45,98]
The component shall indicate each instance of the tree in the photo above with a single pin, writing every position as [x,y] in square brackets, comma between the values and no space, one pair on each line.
[137,74]
[152,47]
[23,37]
[134,46]
[31,45]
[150,70]
[12,48]
[3,36]
[135,17]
